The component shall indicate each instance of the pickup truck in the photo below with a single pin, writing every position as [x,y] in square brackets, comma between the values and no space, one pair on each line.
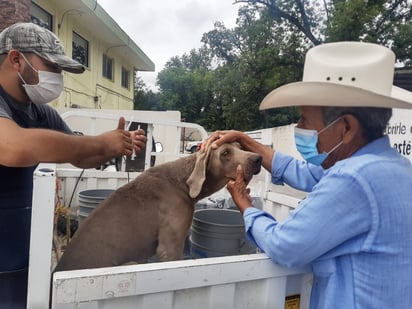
[193,146]
[236,281]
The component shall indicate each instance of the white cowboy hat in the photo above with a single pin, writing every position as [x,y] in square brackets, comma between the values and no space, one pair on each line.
[344,74]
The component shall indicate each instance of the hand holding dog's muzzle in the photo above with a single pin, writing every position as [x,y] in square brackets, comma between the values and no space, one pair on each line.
[240,193]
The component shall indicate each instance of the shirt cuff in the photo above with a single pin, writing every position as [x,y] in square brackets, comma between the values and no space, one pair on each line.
[249,216]
[279,163]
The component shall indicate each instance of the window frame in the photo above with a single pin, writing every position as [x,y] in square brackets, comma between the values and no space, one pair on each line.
[87,48]
[48,24]
[106,61]
[125,81]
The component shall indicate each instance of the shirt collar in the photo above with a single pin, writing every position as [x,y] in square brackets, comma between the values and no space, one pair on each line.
[376,146]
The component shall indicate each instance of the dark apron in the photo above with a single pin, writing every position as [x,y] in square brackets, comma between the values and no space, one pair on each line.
[16,190]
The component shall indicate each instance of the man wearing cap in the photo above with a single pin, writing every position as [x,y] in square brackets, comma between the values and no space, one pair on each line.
[31,63]
[354,228]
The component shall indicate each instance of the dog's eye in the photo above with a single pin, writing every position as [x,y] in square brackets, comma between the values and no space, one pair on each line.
[225,153]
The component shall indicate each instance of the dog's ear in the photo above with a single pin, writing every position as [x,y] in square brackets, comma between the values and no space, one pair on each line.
[198,176]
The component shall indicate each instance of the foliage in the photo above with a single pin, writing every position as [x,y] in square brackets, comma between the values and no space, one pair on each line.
[144,98]
[186,85]
[221,85]
[260,60]
[378,21]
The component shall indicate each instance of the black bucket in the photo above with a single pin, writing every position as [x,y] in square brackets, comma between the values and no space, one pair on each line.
[218,232]
[90,199]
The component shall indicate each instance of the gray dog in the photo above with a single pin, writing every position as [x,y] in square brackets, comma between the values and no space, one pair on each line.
[152,214]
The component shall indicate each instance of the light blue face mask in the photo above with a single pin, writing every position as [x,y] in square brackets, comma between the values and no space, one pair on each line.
[306,143]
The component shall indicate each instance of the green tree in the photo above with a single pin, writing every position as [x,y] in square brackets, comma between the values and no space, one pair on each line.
[144,98]
[186,85]
[221,85]
[386,22]
[253,58]
[306,16]
[378,21]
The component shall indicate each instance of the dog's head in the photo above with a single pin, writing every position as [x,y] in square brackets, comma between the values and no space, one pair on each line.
[215,167]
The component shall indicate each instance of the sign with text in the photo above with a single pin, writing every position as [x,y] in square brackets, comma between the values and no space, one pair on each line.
[399,131]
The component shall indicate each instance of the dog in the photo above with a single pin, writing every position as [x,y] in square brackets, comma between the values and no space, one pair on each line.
[153,213]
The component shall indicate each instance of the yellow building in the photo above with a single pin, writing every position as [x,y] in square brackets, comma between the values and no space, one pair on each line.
[93,38]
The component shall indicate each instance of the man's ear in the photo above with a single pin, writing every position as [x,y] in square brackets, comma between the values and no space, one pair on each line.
[351,128]
[14,59]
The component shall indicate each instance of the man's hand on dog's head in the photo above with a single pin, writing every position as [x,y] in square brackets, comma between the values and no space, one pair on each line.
[220,137]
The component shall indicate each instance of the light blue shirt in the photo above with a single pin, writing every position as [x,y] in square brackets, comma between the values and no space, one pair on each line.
[354,228]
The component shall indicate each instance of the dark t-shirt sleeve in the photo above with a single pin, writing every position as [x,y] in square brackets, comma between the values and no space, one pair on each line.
[55,121]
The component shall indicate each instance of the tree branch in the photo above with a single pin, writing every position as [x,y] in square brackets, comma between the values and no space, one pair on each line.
[276,11]
[379,26]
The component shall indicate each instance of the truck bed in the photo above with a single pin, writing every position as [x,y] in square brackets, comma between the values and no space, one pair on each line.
[240,281]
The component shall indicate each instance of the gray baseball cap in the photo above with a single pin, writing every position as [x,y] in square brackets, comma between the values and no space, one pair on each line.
[31,38]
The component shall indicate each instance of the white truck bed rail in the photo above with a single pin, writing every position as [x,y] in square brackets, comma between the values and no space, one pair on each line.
[243,281]
[171,131]
[40,256]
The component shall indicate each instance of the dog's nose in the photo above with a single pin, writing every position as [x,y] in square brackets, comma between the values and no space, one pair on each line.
[257,163]
[258,160]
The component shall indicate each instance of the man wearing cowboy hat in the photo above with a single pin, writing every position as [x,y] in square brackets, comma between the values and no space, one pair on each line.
[354,228]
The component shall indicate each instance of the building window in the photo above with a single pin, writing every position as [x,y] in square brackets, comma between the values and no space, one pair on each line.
[80,49]
[41,17]
[107,67]
[125,78]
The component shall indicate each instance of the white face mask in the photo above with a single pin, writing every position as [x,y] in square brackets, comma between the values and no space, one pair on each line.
[48,89]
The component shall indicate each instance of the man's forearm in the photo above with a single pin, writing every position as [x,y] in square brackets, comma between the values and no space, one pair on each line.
[91,162]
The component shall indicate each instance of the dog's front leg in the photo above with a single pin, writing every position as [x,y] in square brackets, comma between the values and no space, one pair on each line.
[171,246]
